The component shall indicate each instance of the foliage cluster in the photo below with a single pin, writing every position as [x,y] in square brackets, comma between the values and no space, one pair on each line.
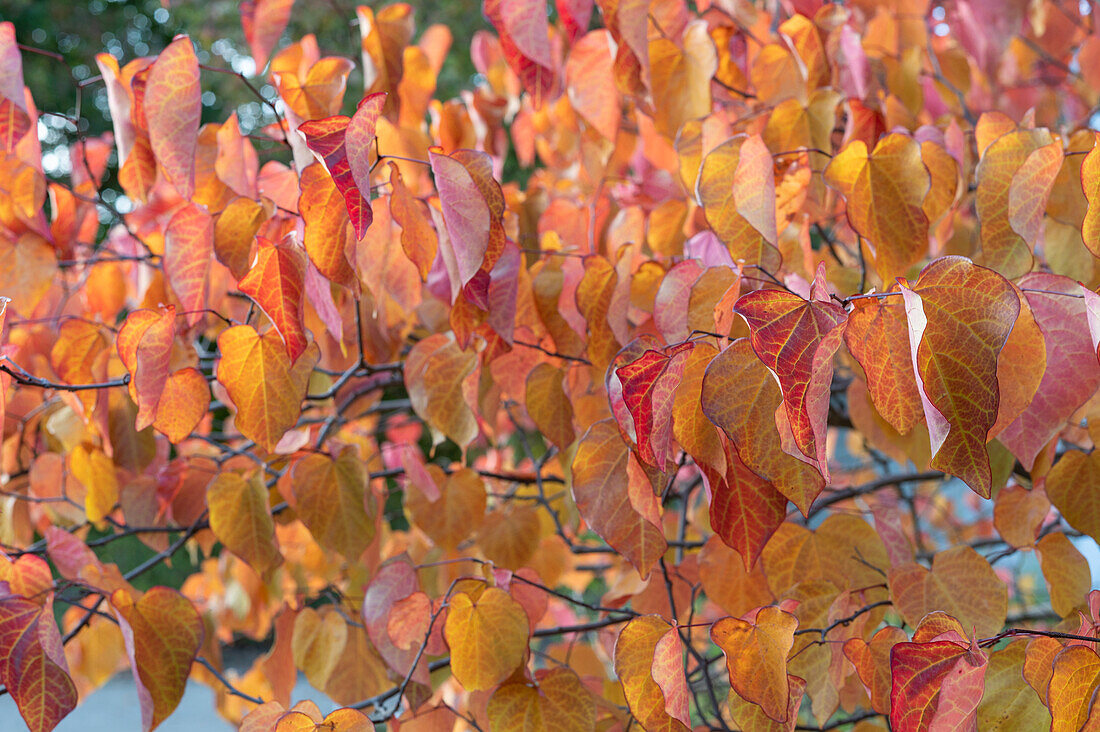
[747,404]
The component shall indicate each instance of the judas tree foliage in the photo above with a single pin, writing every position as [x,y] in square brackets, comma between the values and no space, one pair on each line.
[705,366]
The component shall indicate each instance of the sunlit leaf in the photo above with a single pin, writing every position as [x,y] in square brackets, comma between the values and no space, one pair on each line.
[487,637]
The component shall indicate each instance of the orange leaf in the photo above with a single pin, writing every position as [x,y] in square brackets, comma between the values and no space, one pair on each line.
[872,662]
[326,227]
[144,345]
[558,701]
[32,663]
[877,335]
[960,316]
[1008,156]
[330,496]
[750,717]
[409,621]
[28,266]
[1072,685]
[277,283]
[885,191]
[182,404]
[1090,182]
[241,519]
[1018,514]
[234,229]
[668,673]
[188,249]
[716,191]
[634,659]
[590,82]
[756,654]
[344,146]
[487,638]
[163,633]
[549,405]
[960,583]
[1066,571]
[173,108]
[1073,486]
[616,505]
[318,92]
[726,581]
[266,387]
[418,237]
[434,373]
[680,77]
[456,514]
[740,396]
[796,339]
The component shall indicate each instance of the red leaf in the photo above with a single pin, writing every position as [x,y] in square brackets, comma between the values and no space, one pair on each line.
[796,340]
[745,509]
[344,146]
[936,685]
[32,663]
[649,386]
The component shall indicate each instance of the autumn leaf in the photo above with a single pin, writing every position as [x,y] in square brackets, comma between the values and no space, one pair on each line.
[549,406]
[434,375]
[266,387]
[722,176]
[188,249]
[1024,161]
[319,639]
[241,519]
[163,632]
[649,386]
[344,146]
[894,222]
[740,396]
[877,336]
[756,649]
[955,360]
[634,664]
[263,21]
[557,702]
[32,663]
[277,283]
[612,501]
[487,637]
[961,583]
[796,339]
[935,683]
[331,499]
[1070,353]
[326,227]
[173,107]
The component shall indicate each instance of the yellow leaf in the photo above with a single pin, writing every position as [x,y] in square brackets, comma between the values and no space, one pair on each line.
[487,638]
[241,519]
